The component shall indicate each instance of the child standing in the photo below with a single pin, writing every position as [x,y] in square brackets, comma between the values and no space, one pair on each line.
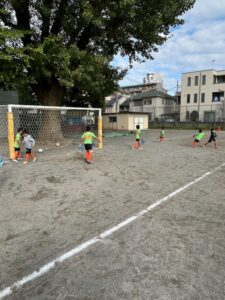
[162,135]
[212,138]
[29,144]
[87,138]
[17,143]
[137,144]
[198,137]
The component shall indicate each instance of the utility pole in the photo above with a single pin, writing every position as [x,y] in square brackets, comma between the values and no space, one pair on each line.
[199,95]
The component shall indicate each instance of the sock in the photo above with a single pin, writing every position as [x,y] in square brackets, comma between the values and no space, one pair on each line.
[90,155]
[87,155]
[16,155]
[27,157]
[135,145]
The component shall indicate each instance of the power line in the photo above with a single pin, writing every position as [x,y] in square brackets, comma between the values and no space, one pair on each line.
[133,80]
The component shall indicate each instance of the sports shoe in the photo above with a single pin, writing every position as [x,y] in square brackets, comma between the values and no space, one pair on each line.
[34,159]
[25,162]
[20,158]
[16,161]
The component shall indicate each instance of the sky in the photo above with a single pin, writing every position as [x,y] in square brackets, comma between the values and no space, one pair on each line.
[199,44]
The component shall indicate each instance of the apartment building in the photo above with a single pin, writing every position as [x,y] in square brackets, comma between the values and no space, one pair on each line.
[158,104]
[140,88]
[202,96]
[154,78]
[114,102]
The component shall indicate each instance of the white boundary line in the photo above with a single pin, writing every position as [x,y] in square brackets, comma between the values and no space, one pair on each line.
[55,262]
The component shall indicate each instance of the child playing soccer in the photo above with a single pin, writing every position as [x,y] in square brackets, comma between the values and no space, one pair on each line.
[212,138]
[198,137]
[137,144]
[29,144]
[87,138]
[18,140]
[162,135]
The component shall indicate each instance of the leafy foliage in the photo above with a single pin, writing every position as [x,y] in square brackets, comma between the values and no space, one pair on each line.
[64,48]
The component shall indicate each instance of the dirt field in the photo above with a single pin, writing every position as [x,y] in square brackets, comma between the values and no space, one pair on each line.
[175,251]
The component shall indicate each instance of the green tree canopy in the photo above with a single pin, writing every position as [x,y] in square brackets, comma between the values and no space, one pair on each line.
[59,47]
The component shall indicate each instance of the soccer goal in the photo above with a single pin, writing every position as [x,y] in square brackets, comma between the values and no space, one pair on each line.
[52,125]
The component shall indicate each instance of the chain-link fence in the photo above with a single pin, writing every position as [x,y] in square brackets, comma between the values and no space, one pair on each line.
[49,125]
[174,115]
[3,130]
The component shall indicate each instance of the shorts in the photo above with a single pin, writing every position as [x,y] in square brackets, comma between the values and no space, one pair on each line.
[17,149]
[88,147]
[197,141]
[137,140]
[211,140]
[28,151]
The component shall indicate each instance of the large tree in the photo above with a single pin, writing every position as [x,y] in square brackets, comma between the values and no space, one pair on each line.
[60,47]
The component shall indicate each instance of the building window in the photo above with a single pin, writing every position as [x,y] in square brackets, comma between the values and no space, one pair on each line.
[196,80]
[195,98]
[217,97]
[137,103]
[189,81]
[218,79]
[148,101]
[203,79]
[203,97]
[112,119]
[188,98]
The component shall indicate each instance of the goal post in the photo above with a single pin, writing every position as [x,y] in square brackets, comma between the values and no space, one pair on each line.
[52,124]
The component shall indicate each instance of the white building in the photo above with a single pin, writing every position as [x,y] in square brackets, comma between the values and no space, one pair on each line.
[154,78]
[202,94]
[158,104]
[114,102]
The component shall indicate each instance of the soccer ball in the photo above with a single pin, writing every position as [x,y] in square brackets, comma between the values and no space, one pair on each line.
[57,144]
[40,150]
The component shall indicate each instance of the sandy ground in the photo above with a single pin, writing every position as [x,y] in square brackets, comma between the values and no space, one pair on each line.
[173,252]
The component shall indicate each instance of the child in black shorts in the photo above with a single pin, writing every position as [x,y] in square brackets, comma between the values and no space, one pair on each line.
[212,138]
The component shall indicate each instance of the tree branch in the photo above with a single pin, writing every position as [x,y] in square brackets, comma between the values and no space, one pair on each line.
[59,17]
[23,17]
[6,19]
[46,17]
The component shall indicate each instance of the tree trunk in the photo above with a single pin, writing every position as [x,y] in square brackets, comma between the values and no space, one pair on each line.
[51,124]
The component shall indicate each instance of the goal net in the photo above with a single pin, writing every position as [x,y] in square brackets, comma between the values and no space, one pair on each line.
[51,125]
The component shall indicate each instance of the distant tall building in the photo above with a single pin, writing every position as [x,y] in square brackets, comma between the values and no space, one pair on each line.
[154,78]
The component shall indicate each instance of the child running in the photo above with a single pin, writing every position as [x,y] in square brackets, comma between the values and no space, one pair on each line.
[138,134]
[29,144]
[212,138]
[162,135]
[87,138]
[197,138]
[18,140]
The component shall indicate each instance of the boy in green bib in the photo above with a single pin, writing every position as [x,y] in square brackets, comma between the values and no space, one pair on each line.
[137,144]
[162,135]
[198,137]
[17,143]
[87,138]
